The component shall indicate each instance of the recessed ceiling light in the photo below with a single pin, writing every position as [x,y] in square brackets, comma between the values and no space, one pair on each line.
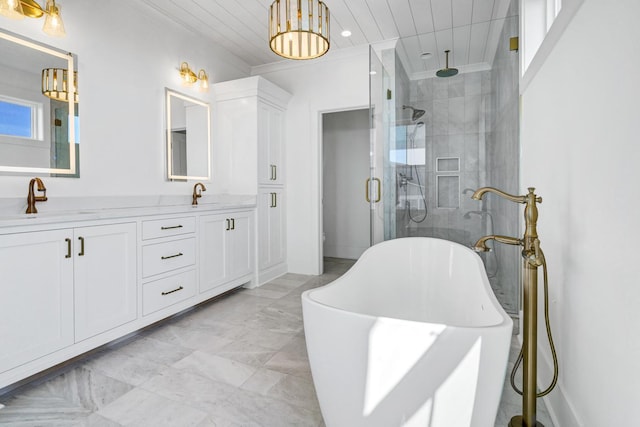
[373,72]
[426,55]
[346,33]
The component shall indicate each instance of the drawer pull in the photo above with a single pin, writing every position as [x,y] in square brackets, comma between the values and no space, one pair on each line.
[172,256]
[175,290]
[171,227]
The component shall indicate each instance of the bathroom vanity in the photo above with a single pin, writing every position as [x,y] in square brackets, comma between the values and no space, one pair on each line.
[75,280]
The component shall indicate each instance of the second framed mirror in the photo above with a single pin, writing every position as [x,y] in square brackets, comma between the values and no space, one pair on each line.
[188,129]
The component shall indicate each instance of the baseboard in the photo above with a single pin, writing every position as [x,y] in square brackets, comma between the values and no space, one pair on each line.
[559,406]
[268,274]
[561,410]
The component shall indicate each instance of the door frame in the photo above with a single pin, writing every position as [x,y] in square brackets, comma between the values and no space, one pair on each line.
[320,157]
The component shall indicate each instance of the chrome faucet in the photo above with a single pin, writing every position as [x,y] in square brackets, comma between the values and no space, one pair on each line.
[197,193]
[32,198]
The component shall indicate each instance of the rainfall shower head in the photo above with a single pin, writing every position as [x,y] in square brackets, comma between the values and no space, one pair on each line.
[416,112]
[446,71]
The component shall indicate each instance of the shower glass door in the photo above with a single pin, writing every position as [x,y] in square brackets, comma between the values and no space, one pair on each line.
[379,188]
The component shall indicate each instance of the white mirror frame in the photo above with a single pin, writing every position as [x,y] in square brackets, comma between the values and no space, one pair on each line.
[169,94]
[72,136]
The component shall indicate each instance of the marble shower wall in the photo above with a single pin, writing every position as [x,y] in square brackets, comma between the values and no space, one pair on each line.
[457,110]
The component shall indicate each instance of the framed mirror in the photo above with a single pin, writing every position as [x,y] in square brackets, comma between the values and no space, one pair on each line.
[38,109]
[188,137]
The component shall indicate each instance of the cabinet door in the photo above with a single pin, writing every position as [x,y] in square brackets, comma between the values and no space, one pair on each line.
[36,306]
[271,235]
[105,278]
[270,143]
[213,256]
[239,246]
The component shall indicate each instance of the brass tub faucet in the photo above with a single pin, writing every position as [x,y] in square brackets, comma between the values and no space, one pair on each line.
[197,193]
[32,198]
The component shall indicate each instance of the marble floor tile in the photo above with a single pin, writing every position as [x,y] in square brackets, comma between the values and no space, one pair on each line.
[124,367]
[216,368]
[156,351]
[252,409]
[189,388]
[247,352]
[196,339]
[141,408]
[73,395]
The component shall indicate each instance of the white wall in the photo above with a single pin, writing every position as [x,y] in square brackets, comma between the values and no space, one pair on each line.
[346,167]
[127,55]
[338,81]
[580,125]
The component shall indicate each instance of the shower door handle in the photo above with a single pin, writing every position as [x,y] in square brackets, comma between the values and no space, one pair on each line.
[367,190]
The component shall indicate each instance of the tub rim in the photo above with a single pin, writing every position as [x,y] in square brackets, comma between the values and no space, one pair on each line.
[506,319]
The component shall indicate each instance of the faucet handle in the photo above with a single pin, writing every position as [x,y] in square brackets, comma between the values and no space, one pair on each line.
[536,258]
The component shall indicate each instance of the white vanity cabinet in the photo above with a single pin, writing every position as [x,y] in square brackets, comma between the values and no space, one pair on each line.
[60,287]
[168,262]
[105,288]
[272,240]
[36,306]
[70,285]
[226,249]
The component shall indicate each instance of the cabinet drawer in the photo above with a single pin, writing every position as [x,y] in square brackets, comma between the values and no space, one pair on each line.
[167,256]
[167,227]
[165,292]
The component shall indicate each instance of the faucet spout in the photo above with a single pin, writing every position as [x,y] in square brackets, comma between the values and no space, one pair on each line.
[32,198]
[480,192]
[481,244]
[197,192]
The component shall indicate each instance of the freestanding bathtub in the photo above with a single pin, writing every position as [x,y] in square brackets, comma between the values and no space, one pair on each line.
[411,335]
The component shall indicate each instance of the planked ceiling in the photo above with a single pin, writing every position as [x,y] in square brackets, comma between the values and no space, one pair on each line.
[469,28]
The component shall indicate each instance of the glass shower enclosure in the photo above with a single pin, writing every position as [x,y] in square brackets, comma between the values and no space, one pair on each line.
[433,142]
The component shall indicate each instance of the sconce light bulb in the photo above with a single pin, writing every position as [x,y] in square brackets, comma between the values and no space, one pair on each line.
[204,80]
[11,9]
[53,25]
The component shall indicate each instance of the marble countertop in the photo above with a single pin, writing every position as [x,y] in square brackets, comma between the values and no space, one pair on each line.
[73,209]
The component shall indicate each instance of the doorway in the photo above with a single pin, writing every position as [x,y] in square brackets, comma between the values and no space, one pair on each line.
[345,171]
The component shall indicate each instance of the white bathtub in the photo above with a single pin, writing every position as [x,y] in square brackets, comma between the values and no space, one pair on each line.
[411,335]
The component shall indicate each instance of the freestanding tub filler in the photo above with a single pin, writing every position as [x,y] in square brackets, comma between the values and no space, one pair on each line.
[411,335]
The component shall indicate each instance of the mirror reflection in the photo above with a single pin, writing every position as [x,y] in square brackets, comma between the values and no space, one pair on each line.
[188,137]
[38,109]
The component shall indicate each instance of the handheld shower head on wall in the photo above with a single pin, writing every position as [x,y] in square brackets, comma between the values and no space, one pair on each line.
[416,112]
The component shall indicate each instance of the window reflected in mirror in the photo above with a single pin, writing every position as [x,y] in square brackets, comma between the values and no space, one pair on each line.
[188,137]
[39,113]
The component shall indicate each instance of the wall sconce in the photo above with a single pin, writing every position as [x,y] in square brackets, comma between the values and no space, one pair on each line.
[56,84]
[188,77]
[18,9]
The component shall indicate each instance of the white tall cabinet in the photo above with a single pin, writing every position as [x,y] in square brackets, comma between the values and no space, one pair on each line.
[250,127]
